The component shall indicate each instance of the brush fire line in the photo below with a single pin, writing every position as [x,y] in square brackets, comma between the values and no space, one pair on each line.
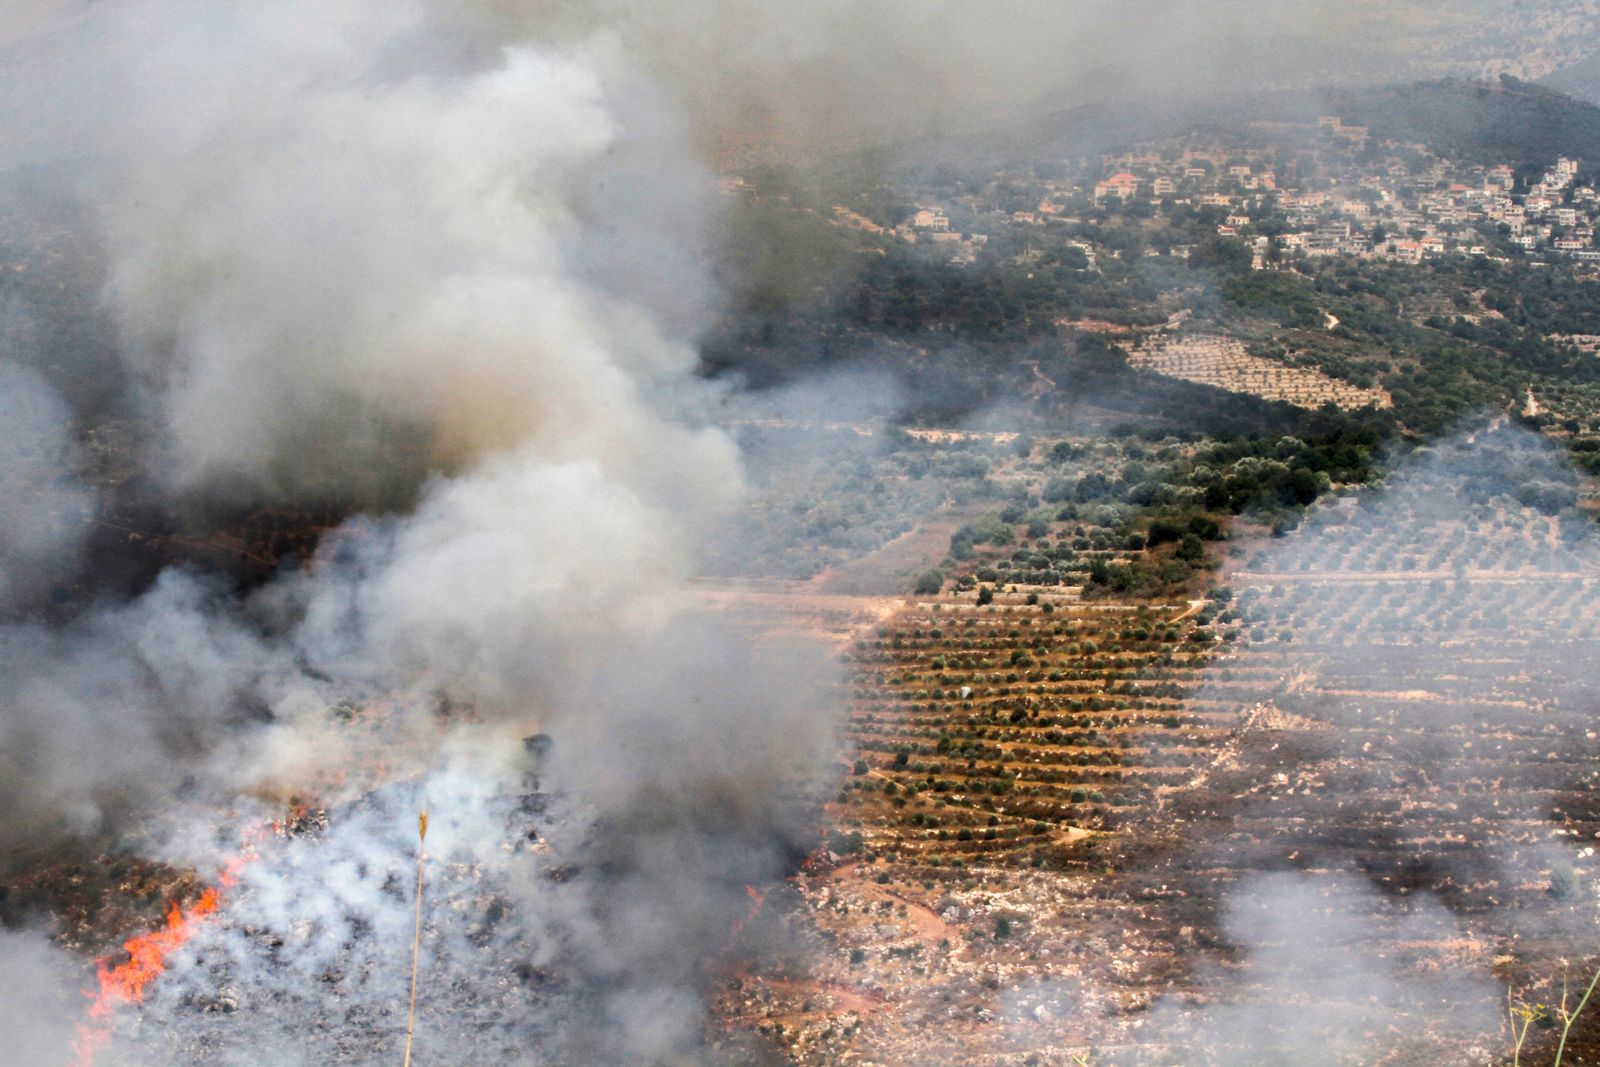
[757,900]
[125,982]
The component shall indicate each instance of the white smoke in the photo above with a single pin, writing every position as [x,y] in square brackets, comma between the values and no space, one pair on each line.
[47,510]
[41,1001]
[1326,978]
[327,227]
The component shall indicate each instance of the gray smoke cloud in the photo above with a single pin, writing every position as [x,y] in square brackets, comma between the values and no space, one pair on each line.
[41,1002]
[347,241]
[339,232]
[47,509]
[109,710]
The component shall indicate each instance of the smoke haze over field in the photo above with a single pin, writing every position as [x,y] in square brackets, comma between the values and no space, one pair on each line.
[1312,992]
[826,74]
[821,75]
[39,1006]
[1433,640]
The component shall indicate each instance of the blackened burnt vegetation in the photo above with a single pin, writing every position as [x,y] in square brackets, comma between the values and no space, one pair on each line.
[975,338]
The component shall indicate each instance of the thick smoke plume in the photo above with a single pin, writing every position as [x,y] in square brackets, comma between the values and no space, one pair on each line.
[334,232]
[366,251]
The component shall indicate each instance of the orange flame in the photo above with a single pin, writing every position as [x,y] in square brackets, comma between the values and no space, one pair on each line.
[125,982]
[757,899]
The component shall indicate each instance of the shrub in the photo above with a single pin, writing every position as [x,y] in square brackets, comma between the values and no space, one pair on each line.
[1163,531]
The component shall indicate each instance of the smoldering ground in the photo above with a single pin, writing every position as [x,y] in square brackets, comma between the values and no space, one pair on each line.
[576,894]
[681,754]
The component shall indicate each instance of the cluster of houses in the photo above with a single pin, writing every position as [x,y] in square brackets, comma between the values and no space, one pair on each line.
[1393,202]
[1195,177]
[1407,206]
[1400,215]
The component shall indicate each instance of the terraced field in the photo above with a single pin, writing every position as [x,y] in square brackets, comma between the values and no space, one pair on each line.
[1007,729]
[1222,362]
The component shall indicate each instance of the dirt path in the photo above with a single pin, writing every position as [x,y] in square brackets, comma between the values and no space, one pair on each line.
[893,566]
[794,607]
[930,928]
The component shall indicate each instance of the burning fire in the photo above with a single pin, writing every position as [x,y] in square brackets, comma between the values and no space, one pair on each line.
[125,982]
[757,899]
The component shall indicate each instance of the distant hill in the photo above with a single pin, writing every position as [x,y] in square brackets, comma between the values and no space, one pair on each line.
[1506,121]
[1581,80]
[1503,121]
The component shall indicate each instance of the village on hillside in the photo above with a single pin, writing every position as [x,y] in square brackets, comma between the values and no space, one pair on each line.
[1295,189]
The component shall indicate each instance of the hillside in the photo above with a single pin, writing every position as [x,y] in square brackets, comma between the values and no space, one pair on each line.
[1581,80]
[1478,122]
[1474,121]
